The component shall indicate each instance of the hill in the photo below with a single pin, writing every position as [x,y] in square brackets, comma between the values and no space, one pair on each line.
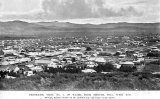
[21,28]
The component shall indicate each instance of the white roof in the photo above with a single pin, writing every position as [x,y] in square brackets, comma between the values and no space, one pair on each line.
[63,49]
[52,65]
[91,58]
[31,65]
[128,63]
[117,65]
[12,62]
[100,60]
[75,48]
[36,68]
[5,63]
[138,61]
[121,55]
[88,70]
[8,51]
[55,60]
[43,61]
[78,53]
[154,47]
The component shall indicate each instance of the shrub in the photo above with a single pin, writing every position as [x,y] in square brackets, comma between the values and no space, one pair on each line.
[107,67]
[155,62]
[2,86]
[88,48]
[151,68]
[127,69]
[153,54]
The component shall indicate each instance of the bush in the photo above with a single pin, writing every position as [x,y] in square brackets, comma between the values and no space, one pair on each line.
[127,69]
[155,62]
[2,86]
[107,67]
[88,49]
[151,68]
[153,54]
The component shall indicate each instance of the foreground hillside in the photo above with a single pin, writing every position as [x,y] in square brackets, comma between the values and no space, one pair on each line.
[115,81]
[20,28]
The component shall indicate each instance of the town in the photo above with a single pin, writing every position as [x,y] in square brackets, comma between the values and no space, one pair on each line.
[110,54]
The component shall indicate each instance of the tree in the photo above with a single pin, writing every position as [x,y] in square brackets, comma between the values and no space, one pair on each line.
[73,59]
[1,52]
[117,54]
[127,69]
[153,54]
[88,48]
[107,67]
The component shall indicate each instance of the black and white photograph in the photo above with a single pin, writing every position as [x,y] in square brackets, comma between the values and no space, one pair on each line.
[79,45]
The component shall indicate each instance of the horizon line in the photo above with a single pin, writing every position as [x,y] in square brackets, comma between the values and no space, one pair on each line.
[37,21]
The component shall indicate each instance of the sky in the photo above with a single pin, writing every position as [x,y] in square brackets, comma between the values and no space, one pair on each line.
[81,11]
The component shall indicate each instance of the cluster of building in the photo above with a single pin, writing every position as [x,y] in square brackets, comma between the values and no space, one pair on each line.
[28,56]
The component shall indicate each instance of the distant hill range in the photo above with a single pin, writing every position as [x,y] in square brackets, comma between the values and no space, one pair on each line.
[39,29]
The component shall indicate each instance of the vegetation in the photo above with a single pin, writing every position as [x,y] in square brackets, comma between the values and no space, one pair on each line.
[152,67]
[153,54]
[68,81]
[88,49]
[127,69]
[107,67]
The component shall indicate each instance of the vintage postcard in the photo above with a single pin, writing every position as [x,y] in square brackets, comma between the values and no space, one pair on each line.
[79,49]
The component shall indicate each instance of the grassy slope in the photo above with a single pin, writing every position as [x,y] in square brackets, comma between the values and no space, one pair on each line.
[117,81]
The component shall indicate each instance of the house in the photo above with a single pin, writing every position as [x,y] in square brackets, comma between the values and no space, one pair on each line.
[37,69]
[74,49]
[33,53]
[99,49]
[91,64]
[63,50]
[89,71]
[41,61]
[128,64]
[137,62]
[55,60]
[3,68]
[1,57]
[104,54]
[23,67]
[5,63]
[30,65]
[122,56]
[28,73]
[154,48]
[25,59]
[9,51]
[100,60]
[54,65]
[10,77]
[127,67]
[116,65]
[79,53]
[13,68]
